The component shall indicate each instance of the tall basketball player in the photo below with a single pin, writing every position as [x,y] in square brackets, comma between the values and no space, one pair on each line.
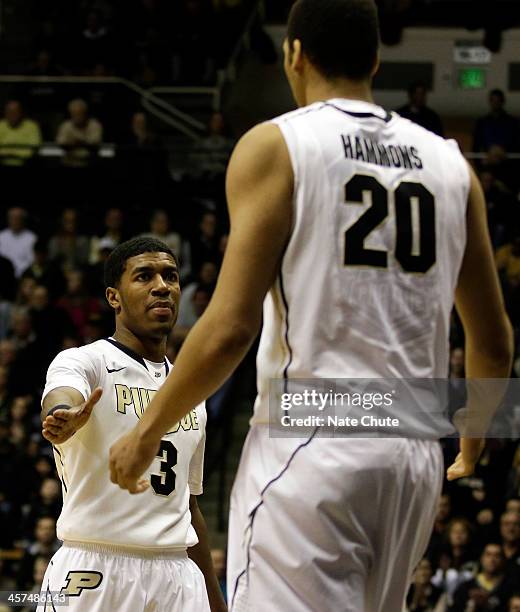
[121,553]
[327,199]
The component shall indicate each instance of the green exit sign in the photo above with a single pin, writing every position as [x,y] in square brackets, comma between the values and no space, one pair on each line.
[472,78]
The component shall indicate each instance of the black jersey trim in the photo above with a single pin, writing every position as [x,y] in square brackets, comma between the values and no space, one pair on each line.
[127,351]
[387,118]
[289,348]
[63,466]
[253,512]
[134,355]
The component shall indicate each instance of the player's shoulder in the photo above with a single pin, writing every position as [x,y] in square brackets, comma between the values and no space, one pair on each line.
[421,134]
[299,113]
[88,353]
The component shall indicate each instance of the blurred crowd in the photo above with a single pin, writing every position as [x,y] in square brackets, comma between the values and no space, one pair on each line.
[52,297]
[148,41]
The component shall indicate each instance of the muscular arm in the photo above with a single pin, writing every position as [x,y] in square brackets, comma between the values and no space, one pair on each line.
[61,396]
[259,191]
[488,332]
[200,554]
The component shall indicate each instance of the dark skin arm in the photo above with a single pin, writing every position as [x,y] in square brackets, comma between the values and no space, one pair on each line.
[259,192]
[63,424]
[488,333]
[200,554]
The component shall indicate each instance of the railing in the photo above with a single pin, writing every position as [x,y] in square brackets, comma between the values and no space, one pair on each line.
[159,108]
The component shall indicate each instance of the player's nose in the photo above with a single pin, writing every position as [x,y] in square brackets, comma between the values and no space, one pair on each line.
[160,287]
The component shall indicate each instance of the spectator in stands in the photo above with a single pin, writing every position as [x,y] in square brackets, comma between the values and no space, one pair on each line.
[456,559]
[498,127]
[211,154]
[439,528]
[457,362]
[44,65]
[39,568]
[45,272]
[510,534]
[200,301]
[490,589]
[207,277]
[192,39]
[205,245]
[19,136]
[47,502]
[113,231]
[514,604]
[501,207]
[16,241]
[45,544]
[80,306]
[25,288]
[77,133]
[8,286]
[417,111]
[94,44]
[68,247]
[5,396]
[160,229]
[423,595]
[507,259]
[95,271]
[218,557]
[140,134]
[513,504]
[51,324]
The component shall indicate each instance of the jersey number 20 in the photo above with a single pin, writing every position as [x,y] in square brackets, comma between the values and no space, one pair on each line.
[164,484]
[414,253]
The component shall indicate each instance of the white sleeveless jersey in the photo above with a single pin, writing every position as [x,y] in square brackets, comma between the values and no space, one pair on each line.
[367,282]
[96,510]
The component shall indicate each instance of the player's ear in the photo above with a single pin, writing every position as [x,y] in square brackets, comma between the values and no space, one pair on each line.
[295,55]
[113,298]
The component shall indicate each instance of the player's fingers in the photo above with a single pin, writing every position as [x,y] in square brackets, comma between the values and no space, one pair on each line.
[63,415]
[53,429]
[135,488]
[94,398]
[50,437]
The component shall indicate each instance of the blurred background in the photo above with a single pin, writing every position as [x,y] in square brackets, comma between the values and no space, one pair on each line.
[118,119]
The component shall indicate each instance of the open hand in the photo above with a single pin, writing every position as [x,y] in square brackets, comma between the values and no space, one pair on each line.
[63,424]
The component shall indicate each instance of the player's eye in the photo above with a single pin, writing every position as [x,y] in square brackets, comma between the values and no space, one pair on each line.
[172,277]
[144,276]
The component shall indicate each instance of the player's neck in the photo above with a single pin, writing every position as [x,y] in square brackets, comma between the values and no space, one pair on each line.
[320,89]
[149,348]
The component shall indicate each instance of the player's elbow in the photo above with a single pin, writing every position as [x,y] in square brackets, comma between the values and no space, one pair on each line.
[497,347]
[236,336]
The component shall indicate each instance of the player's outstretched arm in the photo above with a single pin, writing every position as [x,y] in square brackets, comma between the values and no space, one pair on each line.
[201,555]
[259,191]
[488,333]
[64,411]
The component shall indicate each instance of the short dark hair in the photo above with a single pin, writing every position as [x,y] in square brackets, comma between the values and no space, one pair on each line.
[340,37]
[116,263]
[498,93]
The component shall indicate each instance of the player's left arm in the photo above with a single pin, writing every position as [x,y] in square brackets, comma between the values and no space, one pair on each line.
[259,190]
[201,555]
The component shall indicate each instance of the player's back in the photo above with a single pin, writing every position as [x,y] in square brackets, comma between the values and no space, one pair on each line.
[367,282]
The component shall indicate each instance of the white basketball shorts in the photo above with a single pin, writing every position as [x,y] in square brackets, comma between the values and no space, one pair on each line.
[102,579]
[329,525]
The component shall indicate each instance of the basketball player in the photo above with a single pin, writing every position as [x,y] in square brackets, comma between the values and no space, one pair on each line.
[327,203]
[126,553]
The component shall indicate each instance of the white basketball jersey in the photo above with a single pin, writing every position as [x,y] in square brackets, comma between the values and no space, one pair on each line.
[367,282]
[96,510]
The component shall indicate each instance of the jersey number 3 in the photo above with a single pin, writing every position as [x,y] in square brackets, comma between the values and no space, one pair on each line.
[164,484]
[415,247]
